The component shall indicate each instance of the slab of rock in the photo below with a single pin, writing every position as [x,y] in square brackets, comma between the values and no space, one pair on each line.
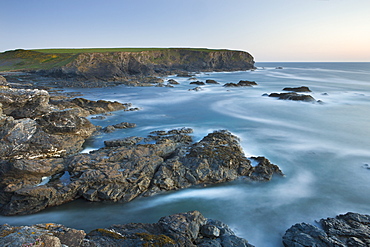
[24,103]
[350,229]
[198,83]
[182,229]
[293,96]
[127,169]
[211,82]
[297,89]
[241,84]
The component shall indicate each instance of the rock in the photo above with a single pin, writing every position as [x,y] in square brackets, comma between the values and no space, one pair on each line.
[124,125]
[350,229]
[293,96]
[197,83]
[24,103]
[172,81]
[100,106]
[279,67]
[241,84]
[126,169]
[297,89]
[3,82]
[211,82]
[196,89]
[49,234]
[183,229]
[128,141]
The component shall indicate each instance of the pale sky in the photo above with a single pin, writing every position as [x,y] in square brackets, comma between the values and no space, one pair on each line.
[271,30]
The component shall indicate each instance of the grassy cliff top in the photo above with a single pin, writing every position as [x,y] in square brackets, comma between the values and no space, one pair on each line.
[102,50]
[44,59]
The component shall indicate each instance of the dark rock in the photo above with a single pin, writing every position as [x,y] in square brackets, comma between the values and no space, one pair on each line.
[24,103]
[49,234]
[197,83]
[109,129]
[172,81]
[279,67]
[126,169]
[3,82]
[183,229]
[211,82]
[100,106]
[293,96]
[247,83]
[196,89]
[123,142]
[350,229]
[124,125]
[241,84]
[297,89]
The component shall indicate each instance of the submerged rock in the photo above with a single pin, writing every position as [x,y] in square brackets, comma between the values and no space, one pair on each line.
[293,96]
[297,89]
[350,229]
[211,82]
[126,169]
[241,84]
[182,229]
[198,83]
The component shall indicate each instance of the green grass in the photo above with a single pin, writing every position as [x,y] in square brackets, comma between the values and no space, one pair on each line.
[102,50]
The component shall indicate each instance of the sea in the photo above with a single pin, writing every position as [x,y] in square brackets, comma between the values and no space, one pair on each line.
[323,148]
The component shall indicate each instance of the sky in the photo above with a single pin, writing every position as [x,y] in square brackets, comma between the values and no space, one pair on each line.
[270,30]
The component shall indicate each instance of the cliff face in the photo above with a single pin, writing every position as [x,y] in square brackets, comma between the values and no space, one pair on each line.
[111,65]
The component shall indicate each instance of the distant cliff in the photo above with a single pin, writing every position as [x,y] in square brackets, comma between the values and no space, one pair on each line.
[106,64]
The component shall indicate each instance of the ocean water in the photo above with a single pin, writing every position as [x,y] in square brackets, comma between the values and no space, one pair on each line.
[323,149]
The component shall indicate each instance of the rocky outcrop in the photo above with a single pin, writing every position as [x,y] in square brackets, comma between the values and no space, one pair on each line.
[123,65]
[3,82]
[126,169]
[293,96]
[182,229]
[297,89]
[241,84]
[350,229]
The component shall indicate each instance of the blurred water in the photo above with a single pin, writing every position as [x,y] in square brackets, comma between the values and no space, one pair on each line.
[322,149]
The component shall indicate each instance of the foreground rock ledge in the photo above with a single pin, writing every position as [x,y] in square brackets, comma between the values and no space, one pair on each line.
[183,229]
[137,168]
[350,229]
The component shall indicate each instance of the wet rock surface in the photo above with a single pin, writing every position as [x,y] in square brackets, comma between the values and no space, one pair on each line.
[293,96]
[241,84]
[350,229]
[128,168]
[182,229]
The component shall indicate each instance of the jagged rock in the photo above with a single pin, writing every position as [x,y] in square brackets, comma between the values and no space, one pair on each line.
[211,82]
[241,84]
[198,83]
[3,82]
[124,125]
[183,229]
[49,234]
[172,81]
[350,229]
[123,142]
[128,169]
[293,96]
[297,89]
[196,89]
[100,106]
[24,103]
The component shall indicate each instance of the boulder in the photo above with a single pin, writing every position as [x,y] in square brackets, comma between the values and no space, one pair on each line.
[182,229]
[211,82]
[198,83]
[293,96]
[350,229]
[24,103]
[241,83]
[297,89]
[3,82]
[172,81]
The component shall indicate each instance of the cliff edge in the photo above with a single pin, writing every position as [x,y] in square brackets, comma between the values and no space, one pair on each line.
[115,64]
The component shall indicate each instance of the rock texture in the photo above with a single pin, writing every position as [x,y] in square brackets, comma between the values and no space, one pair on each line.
[350,229]
[114,65]
[127,168]
[183,229]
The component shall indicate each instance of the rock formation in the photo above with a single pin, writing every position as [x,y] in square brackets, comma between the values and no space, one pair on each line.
[126,169]
[182,229]
[293,96]
[241,84]
[350,229]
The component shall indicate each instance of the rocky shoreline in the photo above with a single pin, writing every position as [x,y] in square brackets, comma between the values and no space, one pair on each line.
[42,134]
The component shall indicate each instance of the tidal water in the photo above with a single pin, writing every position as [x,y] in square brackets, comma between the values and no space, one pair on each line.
[323,149]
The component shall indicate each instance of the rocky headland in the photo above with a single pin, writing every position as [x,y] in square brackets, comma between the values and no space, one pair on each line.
[98,68]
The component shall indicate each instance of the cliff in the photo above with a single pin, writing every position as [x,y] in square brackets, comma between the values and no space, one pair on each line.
[112,64]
